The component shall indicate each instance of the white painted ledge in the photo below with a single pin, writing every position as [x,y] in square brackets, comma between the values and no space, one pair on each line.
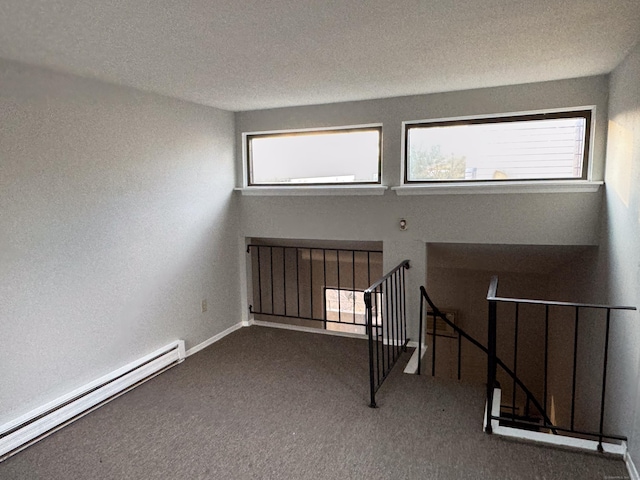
[299,328]
[412,364]
[332,191]
[463,188]
[547,438]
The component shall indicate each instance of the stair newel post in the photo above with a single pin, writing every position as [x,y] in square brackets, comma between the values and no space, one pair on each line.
[422,291]
[369,320]
[491,363]
[491,350]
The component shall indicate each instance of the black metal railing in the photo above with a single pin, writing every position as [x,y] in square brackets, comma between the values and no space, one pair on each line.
[437,314]
[313,284]
[575,310]
[386,318]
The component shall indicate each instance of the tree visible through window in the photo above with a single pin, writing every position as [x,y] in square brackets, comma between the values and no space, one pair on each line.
[542,146]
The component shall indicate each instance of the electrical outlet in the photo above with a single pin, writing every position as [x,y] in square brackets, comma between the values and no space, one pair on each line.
[204,305]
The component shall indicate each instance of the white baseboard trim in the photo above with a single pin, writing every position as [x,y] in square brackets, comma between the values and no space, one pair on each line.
[546,438]
[27,429]
[412,364]
[321,331]
[298,328]
[631,468]
[214,339]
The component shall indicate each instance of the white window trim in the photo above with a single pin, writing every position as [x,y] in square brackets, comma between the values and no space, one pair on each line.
[503,186]
[459,188]
[318,190]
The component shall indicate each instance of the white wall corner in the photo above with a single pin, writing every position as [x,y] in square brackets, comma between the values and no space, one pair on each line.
[214,339]
[631,468]
[181,351]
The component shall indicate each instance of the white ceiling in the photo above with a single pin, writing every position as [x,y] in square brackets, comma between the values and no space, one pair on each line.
[254,54]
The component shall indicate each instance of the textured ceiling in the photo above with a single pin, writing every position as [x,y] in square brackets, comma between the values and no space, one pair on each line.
[252,54]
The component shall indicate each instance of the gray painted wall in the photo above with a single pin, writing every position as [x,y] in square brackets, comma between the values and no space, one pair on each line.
[117,219]
[613,274]
[620,244]
[528,219]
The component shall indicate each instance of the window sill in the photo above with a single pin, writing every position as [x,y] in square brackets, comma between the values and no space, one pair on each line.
[320,190]
[567,186]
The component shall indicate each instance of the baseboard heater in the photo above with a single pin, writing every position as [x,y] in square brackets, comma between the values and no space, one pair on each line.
[37,424]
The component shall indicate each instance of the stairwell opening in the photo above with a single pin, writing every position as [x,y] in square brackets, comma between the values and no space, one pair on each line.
[457,279]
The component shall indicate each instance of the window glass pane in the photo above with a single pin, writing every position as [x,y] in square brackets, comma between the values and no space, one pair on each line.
[347,312]
[331,157]
[498,149]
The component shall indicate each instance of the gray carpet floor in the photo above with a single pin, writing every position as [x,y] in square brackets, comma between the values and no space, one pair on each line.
[265,403]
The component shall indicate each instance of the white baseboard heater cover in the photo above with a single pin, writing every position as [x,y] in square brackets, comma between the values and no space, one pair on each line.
[37,424]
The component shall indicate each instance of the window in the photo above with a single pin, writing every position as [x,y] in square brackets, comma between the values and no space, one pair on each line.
[325,157]
[545,146]
[345,310]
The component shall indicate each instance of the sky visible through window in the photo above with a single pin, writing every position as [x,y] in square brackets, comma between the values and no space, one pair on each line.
[352,156]
[511,150]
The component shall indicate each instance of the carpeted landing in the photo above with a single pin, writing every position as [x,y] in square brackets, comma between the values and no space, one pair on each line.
[265,403]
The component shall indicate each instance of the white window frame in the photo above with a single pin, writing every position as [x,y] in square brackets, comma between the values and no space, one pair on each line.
[502,186]
[347,189]
[377,320]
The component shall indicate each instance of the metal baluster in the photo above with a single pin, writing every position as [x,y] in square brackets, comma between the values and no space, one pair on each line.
[404,310]
[420,332]
[604,379]
[433,346]
[311,283]
[369,322]
[575,357]
[284,278]
[353,283]
[491,364]
[515,365]
[394,348]
[298,278]
[376,293]
[459,354]
[386,308]
[339,286]
[259,279]
[369,271]
[546,361]
[324,279]
[271,272]
[398,319]
[383,318]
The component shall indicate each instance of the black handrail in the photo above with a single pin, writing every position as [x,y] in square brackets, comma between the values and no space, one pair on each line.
[404,264]
[439,314]
[386,299]
[493,299]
